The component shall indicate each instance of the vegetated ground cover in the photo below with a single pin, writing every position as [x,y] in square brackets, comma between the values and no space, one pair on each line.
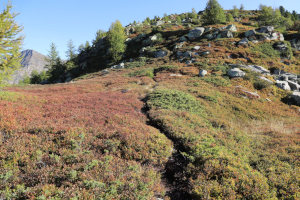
[236,148]
[90,139]
[155,129]
[86,140]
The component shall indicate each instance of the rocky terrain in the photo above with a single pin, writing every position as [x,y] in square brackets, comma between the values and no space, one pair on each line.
[31,61]
[191,112]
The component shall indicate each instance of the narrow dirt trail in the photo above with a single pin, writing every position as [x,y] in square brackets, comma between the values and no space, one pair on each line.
[174,175]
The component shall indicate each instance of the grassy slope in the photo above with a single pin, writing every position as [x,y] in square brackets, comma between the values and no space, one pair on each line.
[116,136]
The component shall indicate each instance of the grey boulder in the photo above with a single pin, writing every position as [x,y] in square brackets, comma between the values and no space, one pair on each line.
[235,72]
[283,85]
[196,33]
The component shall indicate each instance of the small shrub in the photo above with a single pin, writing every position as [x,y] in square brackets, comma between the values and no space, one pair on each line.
[144,72]
[266,50]
[261,84]
[174,100]
[139,63]
[217,80]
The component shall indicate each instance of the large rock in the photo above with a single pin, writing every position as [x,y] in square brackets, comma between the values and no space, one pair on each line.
[283,85]
[296,97]
[250,33]
[231,27]
[296,43]
[265,79]
[196,33]
[160,54]
[235,72]
[119,66]
[294,86]
[158,23]
[254,68]
[243,41]
[258,69]
[202,72]
[266,29]
[225,34]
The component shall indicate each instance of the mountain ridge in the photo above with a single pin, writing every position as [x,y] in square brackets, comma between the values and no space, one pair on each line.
[31,61]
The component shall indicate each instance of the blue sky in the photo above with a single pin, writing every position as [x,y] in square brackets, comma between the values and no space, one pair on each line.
[58,21]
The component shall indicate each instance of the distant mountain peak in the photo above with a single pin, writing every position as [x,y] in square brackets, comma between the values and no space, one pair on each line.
[31,61]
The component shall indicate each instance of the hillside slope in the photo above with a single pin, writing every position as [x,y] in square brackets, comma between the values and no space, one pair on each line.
[190,113]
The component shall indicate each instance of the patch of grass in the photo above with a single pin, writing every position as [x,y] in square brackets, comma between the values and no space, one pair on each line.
[266,50]
[217,80]
[144,72]
[169,68]
[10,96]
[174,100]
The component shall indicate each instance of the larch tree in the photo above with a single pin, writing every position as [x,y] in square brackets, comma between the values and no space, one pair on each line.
[213,13]
[53,57]
[71,51]
[116,37]
[10,43]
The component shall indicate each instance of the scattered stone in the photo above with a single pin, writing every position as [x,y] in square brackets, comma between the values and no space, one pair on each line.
[266,29]
[187,54]
[205,53]
[202,72]
[160,54]
[244,41]
[265,79]
[250,33]
[158,23]
[119,66]
[225,34]
[231,27]
[283,85]
[183,39]
[295,43]
[196,47]
[196,33]
[176,75]
[235,72]
[258,69]
[251,95]
[280,46]
[179,45]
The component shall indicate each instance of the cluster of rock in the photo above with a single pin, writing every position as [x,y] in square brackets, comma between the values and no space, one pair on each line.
[265,33]
[210,33]
[284,80]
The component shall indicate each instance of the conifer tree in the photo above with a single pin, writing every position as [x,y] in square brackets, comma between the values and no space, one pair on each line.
[71,52]
[53,57]
[214,13]
[10,43]
[235,11]
[116,38]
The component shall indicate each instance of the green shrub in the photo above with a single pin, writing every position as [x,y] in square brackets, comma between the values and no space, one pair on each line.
[37,78]
[138,63]
[174,100]
[144,72]
[266,50]
[217,80]
[261,84]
